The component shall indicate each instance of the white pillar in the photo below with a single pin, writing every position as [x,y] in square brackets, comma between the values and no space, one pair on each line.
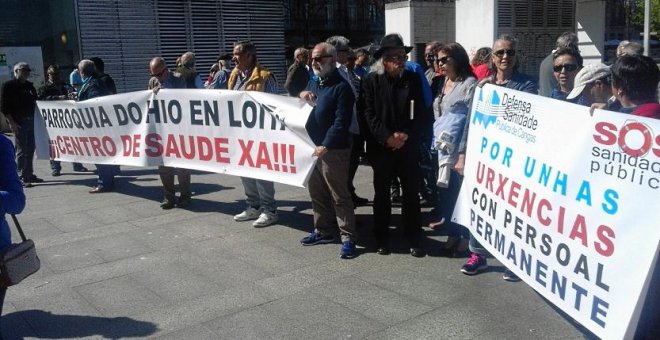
[475,23]
[590,24]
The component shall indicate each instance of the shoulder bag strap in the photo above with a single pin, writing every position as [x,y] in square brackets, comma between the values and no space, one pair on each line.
[18,226]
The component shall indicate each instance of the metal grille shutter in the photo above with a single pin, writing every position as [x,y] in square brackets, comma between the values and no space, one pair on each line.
[536,24]
[262,22]
[122,33]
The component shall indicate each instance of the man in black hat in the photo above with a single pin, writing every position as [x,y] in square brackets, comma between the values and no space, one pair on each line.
[393,110]
[219,81]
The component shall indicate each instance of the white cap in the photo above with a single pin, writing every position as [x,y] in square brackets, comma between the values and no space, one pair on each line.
[588,75]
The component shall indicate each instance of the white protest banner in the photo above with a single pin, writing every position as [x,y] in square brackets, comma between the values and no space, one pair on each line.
[248,134]
[567,201]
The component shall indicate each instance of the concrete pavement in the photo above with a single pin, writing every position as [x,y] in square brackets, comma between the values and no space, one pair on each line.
[115,265]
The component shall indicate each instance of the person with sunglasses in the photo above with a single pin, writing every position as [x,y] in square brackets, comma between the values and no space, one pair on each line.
[566,64]
[451,108]
[504,63]
[162,78]
[393,115]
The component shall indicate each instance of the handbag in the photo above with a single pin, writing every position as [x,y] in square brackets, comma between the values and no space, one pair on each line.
[18,260]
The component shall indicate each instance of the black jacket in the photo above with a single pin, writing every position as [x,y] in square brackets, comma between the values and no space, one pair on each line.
[296,79]
[18,100]
[385,106]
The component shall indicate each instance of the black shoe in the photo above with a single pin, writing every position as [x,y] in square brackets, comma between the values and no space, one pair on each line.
[35,179]
[417,252]
[167,204]
[183,202]
[56,173]
[359,201]
[81,169]
[27,184]
[382,250]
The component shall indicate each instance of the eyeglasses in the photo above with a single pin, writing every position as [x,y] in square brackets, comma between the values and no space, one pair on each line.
[501,53]
[443,60]
[159,73]
[320,58]
[567,67]
[429,56]
[396,57]
[25,69]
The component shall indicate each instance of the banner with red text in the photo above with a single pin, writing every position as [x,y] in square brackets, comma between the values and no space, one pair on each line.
[567,201]
[249,134]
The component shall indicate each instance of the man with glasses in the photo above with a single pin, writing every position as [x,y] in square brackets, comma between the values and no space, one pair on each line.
[18,104]
[249,75]
[327,126]
[393,114]
[162,78]
[56,89]
[341,44]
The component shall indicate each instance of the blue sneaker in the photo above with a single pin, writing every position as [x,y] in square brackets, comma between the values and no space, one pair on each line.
[347,250]
[316,238]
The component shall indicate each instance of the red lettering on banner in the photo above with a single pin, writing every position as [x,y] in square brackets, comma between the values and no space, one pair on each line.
[278,157]
[154,149]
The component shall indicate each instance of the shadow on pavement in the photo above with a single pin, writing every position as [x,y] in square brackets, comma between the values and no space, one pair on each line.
[46,325]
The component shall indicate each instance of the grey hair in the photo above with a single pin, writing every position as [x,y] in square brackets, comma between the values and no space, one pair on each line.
[628,47]
[19,65]
[339,42]
[299,51]
[511,39]
[86,67]
[327,48]
[378,67]
[568,40]
[188,59]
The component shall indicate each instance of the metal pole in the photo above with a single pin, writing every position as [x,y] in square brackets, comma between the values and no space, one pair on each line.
[647,21]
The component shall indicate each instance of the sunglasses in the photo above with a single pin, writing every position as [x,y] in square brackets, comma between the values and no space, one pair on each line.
[443,60]
[159,73]
[319,58]
[396,57]
[567,67]
[501,53]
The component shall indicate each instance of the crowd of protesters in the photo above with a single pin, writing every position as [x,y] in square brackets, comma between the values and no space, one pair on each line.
[410,125]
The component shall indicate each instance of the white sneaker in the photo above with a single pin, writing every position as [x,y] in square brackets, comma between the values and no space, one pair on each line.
[265,219]
[249,214]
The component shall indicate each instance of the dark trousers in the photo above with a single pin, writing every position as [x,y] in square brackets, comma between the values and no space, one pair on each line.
[167,177]
[106,174]
[386,165]
[356,151]
[3,292]
[25,147]
[445,206]
[57,165]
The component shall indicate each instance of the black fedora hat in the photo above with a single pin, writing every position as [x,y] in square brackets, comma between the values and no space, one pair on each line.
[393,40]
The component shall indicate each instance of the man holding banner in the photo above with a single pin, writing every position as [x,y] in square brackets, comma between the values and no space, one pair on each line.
[162,78]
[248,75]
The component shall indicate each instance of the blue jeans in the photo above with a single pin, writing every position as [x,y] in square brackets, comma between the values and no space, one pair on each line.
[445,206]
[260,194]
[476,247]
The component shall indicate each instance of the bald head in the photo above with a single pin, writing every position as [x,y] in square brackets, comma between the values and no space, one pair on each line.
[158,68]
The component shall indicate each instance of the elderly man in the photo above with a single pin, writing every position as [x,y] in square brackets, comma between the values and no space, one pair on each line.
[297,76]
[327,126]
[56,89]
[429,58]
[93,87]
[392,104]
[219,81]
[188,72]
[249,75]
[592,85]
[627,47]
[162,78]
[18,102]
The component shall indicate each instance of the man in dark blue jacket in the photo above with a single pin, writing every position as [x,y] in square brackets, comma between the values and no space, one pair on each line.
[327,126]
